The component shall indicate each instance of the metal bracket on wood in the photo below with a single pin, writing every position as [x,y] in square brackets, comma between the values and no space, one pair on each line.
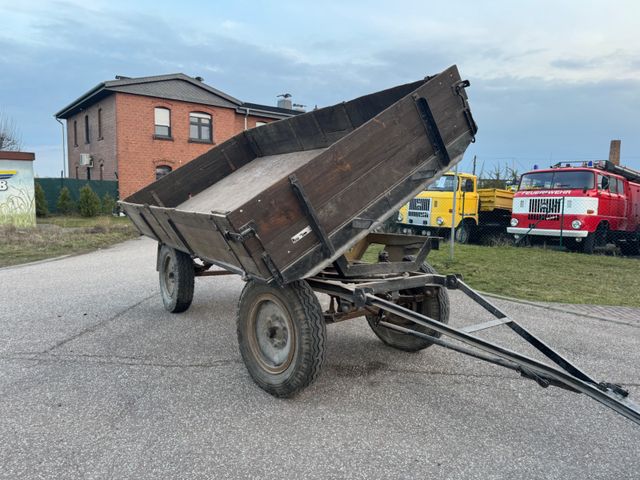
[312,216]
[430,125]
[459,87]
[247,231]
[271,266]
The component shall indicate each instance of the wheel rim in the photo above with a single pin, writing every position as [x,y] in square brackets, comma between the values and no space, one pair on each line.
[462,234]
[168,275]
[271,334]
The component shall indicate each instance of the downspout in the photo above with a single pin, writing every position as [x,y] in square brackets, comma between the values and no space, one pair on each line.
[246,119]
[64,149]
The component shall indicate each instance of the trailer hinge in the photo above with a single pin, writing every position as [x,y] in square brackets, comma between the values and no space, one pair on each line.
[248,231]
[459,87]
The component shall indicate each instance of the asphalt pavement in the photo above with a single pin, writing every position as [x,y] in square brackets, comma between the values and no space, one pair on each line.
[98,381]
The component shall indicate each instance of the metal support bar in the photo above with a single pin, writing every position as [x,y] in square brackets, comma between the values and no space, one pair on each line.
[312,216]
[430,125]
[544,374]
[529,337]
[564,375]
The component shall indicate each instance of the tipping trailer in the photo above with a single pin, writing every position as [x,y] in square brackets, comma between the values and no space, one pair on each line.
[293,205]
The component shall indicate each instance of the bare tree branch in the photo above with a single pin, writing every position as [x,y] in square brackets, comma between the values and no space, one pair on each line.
[10,138]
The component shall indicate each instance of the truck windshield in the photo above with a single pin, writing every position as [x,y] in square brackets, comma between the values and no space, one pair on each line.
[443,184]
[562,180]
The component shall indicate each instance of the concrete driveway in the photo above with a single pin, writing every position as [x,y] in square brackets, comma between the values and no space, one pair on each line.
[98,381]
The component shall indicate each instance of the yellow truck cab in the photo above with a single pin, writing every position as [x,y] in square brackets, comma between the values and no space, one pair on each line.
[431,211]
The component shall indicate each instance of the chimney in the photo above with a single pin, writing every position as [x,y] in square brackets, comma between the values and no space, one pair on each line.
[285,101]
[614,152]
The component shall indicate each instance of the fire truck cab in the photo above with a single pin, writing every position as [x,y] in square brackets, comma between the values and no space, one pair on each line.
[585,204]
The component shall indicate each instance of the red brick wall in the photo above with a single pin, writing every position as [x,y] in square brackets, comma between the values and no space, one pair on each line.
[103,149]
[138,152]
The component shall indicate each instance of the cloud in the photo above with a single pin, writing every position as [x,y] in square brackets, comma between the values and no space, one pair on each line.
[534,89]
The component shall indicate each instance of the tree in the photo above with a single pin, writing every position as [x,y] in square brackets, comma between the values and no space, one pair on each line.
[65,203]
[9,135]
[89,202]
[108,204]
[42,208]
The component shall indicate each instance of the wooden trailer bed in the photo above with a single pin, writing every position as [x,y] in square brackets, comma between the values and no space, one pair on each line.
[282,201]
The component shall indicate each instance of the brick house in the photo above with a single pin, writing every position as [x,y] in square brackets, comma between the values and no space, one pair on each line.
[136,130]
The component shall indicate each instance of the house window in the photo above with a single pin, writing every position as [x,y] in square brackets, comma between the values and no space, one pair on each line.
[162,170]
[86,129]
[75,133]
[77,172]
[100,137]
[259,124]
[200,127]
[101,171]
[163,122]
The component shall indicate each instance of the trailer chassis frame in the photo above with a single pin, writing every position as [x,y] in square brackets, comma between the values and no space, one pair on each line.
[376,294]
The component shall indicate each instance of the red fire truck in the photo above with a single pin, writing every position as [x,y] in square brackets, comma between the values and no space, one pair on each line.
[585,204]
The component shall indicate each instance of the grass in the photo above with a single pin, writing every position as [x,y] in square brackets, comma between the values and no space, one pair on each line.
[542,275]
[56,236]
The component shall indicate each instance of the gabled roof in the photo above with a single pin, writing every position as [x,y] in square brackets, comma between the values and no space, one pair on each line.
[176,86]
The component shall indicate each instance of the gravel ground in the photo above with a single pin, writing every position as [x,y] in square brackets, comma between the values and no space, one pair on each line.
[98,381]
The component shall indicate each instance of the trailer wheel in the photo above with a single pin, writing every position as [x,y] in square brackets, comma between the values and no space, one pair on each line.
[436,307]
[281,335]
[175,269]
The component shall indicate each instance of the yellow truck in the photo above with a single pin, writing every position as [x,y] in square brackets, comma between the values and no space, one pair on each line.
[479,212]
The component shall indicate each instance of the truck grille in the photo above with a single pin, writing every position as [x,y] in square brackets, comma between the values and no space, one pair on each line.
[420,207]
[549,208]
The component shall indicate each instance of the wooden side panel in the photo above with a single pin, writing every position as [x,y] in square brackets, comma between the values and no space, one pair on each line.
[197,175]
[355,171]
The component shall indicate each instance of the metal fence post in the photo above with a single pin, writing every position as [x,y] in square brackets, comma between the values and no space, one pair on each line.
[453,209]
[562,221]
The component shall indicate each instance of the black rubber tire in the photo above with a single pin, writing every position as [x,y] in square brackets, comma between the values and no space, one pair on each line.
[176,267]
[594,240]
[632,246]
[463,232]
[437,307]
[301,305]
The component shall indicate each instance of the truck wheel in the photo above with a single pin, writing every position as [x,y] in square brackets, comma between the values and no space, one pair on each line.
[632,245]
[435,306]
[281,335]
[595,240]
[463,232]
[175,269]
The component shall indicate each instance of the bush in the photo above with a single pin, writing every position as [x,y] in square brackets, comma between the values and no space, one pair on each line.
[65,203]
[89,202]
[42,208]
[108,204]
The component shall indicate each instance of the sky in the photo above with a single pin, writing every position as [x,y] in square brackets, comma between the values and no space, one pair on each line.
[550,81]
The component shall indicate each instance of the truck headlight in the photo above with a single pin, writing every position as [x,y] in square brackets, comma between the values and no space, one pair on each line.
[576,224]
[439,220]
[514,222]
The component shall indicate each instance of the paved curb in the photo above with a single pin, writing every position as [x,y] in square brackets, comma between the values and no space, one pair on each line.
[37,262]
[560,309]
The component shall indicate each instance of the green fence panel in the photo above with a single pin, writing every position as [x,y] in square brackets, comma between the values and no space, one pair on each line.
[52,187]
